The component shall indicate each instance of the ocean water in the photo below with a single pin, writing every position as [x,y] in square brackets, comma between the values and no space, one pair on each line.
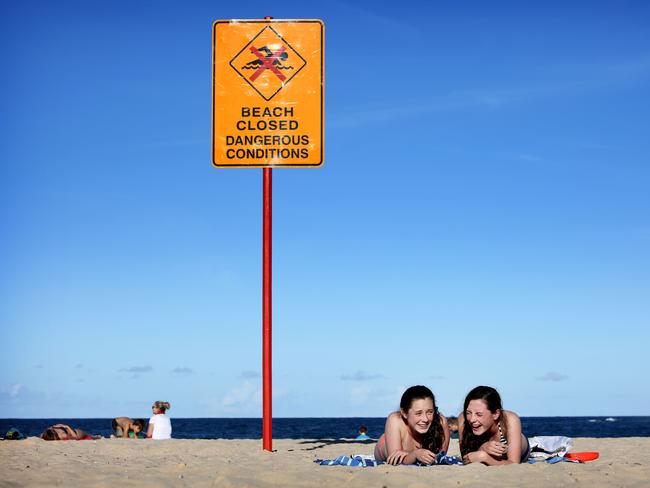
[335,428]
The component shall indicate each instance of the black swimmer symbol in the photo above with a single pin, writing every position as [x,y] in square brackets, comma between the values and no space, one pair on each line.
[269,60]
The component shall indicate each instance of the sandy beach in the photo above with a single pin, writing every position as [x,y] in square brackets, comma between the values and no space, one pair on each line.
[226,463]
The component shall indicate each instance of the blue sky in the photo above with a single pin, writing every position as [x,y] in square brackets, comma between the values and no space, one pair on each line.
[482,216]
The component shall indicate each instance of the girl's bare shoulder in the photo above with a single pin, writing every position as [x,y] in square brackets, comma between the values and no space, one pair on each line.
[395,419]
[512,418]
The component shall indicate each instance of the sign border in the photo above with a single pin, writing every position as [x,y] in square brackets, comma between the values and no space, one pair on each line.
[270,22]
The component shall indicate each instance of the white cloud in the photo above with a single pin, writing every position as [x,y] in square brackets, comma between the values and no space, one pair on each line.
[245,399]
[12,390]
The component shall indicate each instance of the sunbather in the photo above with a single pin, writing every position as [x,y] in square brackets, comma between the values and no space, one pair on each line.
[416,433]
[63,432]
[488,434]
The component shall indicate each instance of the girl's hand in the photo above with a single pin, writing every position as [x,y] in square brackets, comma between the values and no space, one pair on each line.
[396,457]
[425,456]
[494,448]
[475,457]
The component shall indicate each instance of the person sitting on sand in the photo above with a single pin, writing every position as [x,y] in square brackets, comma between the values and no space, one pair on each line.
[62,432]
[488,434]
[160,426]
[363,433]
[126,427]
[452,422]
[416,433]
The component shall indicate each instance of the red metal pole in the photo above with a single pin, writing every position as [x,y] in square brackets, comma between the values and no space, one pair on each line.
[267,237]
[267,233]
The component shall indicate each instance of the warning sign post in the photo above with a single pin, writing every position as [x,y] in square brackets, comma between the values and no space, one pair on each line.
[267,93]
[267,112]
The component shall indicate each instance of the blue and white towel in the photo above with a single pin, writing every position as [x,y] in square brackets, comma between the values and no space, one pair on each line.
[367,461]
[357,460]
[443,460]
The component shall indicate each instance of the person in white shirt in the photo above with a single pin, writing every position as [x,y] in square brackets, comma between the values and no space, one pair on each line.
[160,426]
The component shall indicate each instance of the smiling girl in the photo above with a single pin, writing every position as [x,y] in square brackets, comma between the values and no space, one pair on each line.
[488,434]
[416,433]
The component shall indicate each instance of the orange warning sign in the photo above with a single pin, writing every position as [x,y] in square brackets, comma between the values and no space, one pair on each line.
[267,93]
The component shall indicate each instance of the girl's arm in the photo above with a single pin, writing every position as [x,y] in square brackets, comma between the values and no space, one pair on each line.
[423,455]
[150,430]
[394,450]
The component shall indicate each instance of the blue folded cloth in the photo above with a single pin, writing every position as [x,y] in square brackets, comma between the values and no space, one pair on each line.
[552,460]
[364,461]
[444,460]
[367,461]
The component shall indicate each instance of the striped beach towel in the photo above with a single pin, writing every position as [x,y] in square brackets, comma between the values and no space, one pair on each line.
[358,460]
[367,461]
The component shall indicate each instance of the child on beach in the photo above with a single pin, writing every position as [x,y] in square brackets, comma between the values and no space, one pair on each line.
[416,433]
[160,427]
[488,434]
[126,427]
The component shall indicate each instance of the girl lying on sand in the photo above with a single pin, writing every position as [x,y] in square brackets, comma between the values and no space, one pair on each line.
[488,434]
[416,433]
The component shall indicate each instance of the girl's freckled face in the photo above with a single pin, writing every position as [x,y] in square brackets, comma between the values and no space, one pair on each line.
[420,415]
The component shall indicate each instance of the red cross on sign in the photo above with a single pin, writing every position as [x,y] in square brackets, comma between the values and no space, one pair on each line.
[268,63]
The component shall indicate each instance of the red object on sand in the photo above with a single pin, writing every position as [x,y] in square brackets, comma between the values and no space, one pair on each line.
[582,456]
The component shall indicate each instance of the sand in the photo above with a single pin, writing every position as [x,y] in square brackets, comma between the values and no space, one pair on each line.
[226,463]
